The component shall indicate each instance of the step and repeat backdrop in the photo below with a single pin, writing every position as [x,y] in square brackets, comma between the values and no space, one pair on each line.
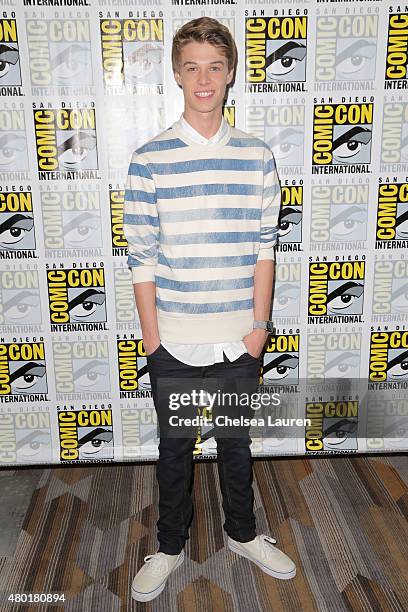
[85,82]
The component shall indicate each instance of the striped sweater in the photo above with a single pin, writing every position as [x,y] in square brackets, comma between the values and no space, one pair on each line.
[197,219]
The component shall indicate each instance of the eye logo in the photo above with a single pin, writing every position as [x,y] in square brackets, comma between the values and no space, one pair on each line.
[290,215]
[286,300]
[66,140]
[71,220]
[336,288]
[390,295]
[23,370]
[389,357]
[76,296]
[13,142]
[339,213]
[65,59]
[392,215]
[10,73]
[133,371]
[281,360]
[342,134]
[86,435]
[81,367]
[346,47]
[132,52]
[276,49]
[333,355]
[16,221]
[333,426]
[20,302]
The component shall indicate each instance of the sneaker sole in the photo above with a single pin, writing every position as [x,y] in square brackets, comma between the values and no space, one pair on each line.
[138,596]
[264,568]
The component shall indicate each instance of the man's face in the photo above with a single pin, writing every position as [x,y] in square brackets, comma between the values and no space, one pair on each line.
[203,74]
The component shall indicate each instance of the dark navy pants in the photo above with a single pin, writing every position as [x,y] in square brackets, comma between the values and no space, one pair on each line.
[175,463]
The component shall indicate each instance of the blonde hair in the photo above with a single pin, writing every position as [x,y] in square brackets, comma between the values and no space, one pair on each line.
[209,30]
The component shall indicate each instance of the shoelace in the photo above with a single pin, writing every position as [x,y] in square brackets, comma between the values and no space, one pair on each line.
[263,539]
[157,564]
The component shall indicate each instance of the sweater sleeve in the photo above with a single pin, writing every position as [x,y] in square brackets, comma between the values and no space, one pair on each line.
[140,221]
[270,208]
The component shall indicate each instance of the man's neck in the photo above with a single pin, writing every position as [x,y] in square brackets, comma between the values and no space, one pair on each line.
[206,124]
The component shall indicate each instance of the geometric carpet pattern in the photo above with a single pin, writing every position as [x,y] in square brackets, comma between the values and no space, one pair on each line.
[84,531]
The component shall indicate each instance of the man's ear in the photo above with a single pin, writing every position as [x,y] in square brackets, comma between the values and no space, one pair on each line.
[230,76]
[177,77]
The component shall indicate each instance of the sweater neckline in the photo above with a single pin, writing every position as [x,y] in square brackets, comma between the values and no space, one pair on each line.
[195,145]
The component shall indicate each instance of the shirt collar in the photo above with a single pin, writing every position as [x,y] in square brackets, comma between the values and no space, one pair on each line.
[188,129]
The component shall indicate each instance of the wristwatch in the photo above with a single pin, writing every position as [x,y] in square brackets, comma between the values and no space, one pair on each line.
[267,325]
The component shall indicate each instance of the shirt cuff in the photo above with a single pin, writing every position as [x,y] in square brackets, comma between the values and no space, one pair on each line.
[143,274]
[266,254]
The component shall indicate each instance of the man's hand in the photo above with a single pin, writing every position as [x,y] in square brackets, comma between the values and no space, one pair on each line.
[151,344]
[255,342]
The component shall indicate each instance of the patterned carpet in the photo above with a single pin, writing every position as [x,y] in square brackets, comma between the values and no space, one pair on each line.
[84,531]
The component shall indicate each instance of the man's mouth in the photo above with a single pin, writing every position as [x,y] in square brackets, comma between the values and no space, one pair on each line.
[204,94]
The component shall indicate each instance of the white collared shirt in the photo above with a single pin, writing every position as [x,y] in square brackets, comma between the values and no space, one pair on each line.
[204,354]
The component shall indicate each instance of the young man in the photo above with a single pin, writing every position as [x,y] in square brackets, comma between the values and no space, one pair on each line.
[201,211]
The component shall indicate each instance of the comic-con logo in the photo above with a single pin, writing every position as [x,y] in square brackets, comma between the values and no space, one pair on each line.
[281,360]
[341,137]
[387,420]
[66,141]
[397,50]
[346,48]
[134,378]
[13,143]
[290,218]
[81,369]
[336,291]
[286,302]
[275,52]
[390,293]
[394,147]
[282,127]
[86,435]
[10,72]
[23,371]
[59,54]
[25,437]
[333,426]
[17,237]
[139,432]
[389,357]
[125,307]
[334,355]
[71,222]
[77,298]
[132,54]
[20,302]
[116,201]
[392,216]
[339,216]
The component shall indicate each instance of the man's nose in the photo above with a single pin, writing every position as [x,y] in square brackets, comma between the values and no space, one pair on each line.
[203,77]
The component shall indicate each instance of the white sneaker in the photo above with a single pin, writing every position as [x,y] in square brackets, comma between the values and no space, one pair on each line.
[261,550]
[151,579]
